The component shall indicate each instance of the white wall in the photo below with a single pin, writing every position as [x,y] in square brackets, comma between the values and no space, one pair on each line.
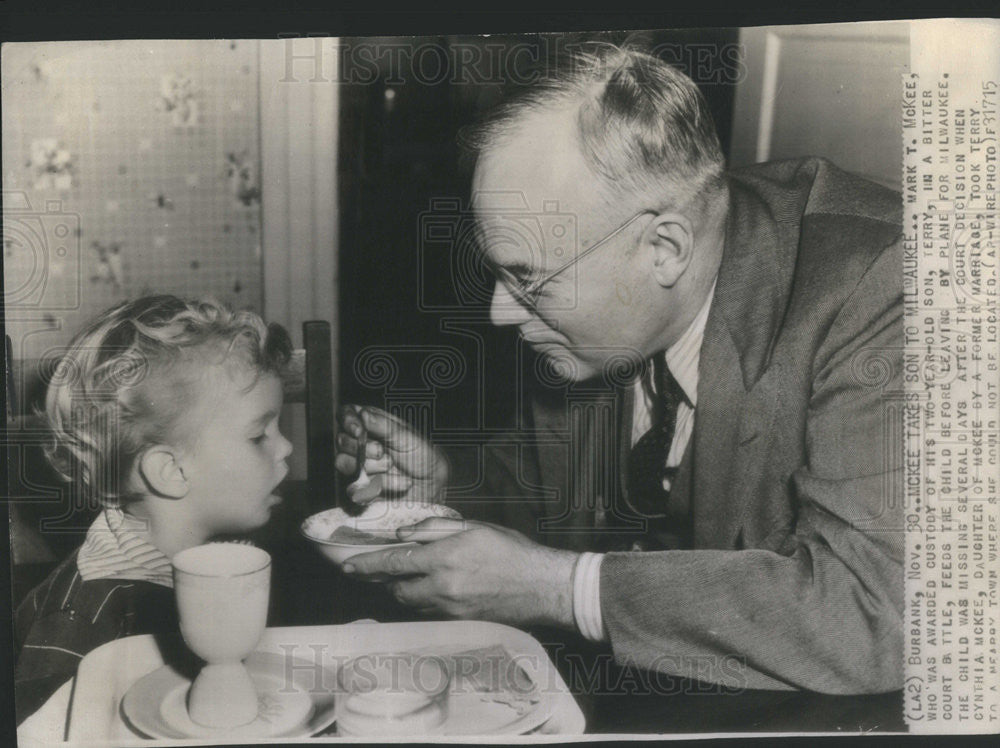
[828,90]
[298,115]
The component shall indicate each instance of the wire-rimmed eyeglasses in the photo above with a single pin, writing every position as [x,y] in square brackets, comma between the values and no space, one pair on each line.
[525,290]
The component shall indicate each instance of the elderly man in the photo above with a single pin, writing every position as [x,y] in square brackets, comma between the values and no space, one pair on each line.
[759,497]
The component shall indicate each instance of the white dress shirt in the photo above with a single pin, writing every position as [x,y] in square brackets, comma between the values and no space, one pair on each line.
[682,359]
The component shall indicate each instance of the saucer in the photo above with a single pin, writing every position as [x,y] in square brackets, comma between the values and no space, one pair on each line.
[296,700]
[397,694]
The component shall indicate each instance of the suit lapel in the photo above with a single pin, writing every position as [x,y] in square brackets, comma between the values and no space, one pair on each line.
[735,403]
[563,522]
[582,457]
[721,400]
[626,405]
[754,283]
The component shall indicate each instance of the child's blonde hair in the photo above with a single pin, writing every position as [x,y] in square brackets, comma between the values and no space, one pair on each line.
[127,381]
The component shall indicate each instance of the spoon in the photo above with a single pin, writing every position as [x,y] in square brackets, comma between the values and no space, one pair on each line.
[363,488]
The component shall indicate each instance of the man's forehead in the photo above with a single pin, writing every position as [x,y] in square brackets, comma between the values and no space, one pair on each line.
[500,202]
[498,208]
[538,163]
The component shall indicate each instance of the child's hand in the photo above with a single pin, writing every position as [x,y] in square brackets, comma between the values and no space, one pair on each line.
[398,463]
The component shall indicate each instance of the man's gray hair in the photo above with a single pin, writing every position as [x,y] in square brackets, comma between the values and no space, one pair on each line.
[644,127]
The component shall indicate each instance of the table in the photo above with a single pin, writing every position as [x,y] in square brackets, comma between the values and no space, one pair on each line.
[678,706]
[90,704]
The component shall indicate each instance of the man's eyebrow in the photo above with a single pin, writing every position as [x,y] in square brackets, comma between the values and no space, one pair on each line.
[519,269]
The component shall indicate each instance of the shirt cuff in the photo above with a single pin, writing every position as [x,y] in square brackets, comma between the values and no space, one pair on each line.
[587,596]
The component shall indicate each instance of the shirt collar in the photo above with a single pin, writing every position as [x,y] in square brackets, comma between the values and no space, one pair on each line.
[116,547]
[684,355]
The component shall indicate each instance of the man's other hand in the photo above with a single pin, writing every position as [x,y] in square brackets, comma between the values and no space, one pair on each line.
[475,570]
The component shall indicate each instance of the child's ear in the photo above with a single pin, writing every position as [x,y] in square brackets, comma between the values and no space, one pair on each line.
[162,473]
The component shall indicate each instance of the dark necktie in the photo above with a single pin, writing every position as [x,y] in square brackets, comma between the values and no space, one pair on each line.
[647,460]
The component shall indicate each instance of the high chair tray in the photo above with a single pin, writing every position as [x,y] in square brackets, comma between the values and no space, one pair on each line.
[106,674]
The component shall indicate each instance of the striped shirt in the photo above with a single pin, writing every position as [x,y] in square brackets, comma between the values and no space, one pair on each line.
[682,359]
[117,584]
[116,548]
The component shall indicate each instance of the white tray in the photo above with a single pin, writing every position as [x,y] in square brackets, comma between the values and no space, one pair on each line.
[110,670]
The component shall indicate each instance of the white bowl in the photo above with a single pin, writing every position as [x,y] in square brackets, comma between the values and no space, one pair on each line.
[340,552]
[380,518]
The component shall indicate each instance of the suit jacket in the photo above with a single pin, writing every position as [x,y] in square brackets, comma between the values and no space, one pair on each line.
[783,543]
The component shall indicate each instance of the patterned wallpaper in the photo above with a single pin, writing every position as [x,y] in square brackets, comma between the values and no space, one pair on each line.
[128,168]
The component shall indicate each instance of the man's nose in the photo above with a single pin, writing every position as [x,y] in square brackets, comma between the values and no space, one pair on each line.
[505,309]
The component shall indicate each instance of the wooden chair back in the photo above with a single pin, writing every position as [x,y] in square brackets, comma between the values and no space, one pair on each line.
[308,379]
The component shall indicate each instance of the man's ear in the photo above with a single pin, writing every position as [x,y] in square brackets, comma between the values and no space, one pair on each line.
[669,242]
[162,472]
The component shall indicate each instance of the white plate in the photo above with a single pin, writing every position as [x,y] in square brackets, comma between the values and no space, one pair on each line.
[156,704]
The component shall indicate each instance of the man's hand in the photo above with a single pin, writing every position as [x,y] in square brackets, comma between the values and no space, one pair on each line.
[475,570]
[408,467]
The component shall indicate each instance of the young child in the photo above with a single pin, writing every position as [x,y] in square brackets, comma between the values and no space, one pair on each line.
[166,413]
